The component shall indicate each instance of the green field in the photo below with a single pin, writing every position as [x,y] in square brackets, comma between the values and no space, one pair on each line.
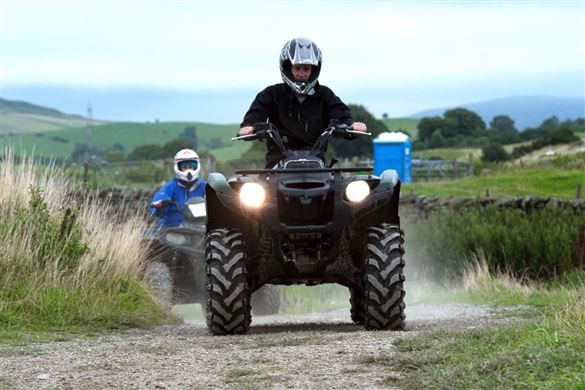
[16,123]
[60,143]
[403,124]
[556,182]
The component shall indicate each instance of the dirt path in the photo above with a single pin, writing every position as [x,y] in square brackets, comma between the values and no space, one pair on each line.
[320,350]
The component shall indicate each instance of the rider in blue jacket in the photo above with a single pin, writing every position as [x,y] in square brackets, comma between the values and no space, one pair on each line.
[168,202]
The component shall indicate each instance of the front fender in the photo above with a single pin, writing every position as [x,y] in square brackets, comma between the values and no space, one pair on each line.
[388,180]
[221,201]
[383,203]
[218,182]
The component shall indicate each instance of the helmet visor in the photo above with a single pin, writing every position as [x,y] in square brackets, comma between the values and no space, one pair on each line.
[185,165]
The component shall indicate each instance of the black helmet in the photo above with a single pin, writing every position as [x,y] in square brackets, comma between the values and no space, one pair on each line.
[300,51]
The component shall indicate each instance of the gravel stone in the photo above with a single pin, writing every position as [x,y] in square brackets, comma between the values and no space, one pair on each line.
[317,350]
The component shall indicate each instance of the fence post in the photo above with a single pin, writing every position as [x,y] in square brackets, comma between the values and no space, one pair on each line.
[86,174]
[578,191]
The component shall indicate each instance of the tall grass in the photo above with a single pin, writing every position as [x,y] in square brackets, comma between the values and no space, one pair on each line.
[546,351]
[64,263]
[538,244]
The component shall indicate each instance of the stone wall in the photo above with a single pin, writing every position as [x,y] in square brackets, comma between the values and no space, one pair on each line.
[412,207]
[127,202]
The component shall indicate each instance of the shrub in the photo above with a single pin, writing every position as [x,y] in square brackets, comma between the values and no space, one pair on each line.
[64,263]
[494,153]
[537,244]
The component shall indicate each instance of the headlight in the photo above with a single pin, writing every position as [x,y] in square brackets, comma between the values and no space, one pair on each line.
[252,195]
[356,191]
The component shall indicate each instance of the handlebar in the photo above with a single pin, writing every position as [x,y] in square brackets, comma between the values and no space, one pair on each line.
[263,130]
[194,208]
[268,130]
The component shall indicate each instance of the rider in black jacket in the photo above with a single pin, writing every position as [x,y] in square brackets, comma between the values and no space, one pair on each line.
[300,107]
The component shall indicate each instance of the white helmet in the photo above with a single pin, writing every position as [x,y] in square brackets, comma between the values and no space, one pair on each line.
[186,165]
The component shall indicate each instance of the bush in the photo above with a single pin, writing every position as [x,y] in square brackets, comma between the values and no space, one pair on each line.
[537,244]
[144,172]
[494,153]
[64,263]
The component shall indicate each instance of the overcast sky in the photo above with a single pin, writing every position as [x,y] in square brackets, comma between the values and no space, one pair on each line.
[391,56]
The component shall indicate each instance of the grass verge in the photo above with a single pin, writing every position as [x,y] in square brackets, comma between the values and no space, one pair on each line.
[547,352]
[65,266]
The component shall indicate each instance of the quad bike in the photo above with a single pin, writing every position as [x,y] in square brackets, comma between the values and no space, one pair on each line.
[176,270]
[304,223]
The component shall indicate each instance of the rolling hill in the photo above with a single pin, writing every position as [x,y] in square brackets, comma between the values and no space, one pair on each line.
[17,117]
[47,132]
[526,111]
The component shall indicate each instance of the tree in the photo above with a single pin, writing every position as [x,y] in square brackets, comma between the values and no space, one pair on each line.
[84,152]
[546,127]
[550,124]
[173,146]
[118,147]
[494,153]
[437,140]
[503,131]
[428,125]
[555,137]
[361,146]
[215,143]
[146,152]
[113,156]
[503,124]
[189,135]
[461,121]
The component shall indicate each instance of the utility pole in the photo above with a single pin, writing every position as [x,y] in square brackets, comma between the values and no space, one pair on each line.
[89,130]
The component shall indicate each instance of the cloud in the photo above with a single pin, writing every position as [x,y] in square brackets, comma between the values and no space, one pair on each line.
[392,46]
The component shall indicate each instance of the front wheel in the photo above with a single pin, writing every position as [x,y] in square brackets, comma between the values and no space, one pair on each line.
[383,297]
[228,297]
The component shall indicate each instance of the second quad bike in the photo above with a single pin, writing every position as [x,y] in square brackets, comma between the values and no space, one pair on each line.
[175,272]
[304,223]
[176,267]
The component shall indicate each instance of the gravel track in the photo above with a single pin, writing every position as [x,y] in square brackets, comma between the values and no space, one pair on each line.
[319,350]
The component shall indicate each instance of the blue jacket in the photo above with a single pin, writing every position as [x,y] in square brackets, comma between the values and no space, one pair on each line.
[175,191]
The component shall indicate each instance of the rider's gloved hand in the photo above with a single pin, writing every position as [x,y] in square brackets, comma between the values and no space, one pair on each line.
[246,130]
[159,204]
[359,126]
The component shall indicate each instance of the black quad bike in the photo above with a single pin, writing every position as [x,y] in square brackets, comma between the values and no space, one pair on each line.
[304,223]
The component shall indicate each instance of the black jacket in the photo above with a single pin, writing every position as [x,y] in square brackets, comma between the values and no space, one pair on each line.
[301,123]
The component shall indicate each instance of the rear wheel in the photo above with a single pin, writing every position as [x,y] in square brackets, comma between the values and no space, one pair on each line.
[383,298]
[266,300]
[159,280]
[228,297]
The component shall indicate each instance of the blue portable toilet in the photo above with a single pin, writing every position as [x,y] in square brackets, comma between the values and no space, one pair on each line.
[393,150]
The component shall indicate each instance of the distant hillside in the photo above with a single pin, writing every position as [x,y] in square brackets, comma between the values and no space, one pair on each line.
[526,111]
[126,136]
[17,117]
